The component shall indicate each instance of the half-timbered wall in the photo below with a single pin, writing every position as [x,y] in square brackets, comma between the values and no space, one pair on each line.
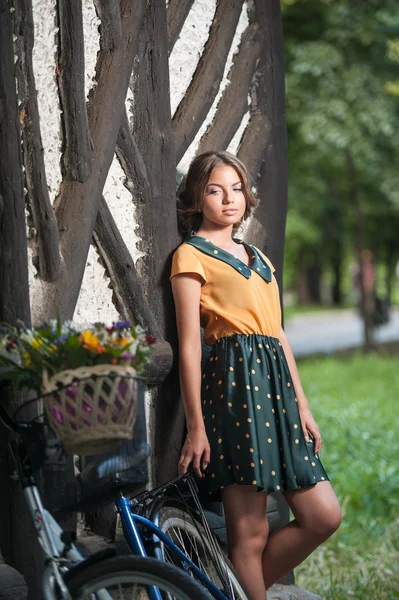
[95,299]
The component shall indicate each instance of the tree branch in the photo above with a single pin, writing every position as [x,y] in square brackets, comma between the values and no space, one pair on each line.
[47,240]
[120,266]
[204,86]
[78,155]
[234,102]
[132,162]
[78,203]
[177,13]
[109,13]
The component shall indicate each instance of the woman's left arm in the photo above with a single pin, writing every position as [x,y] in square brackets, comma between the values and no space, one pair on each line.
[308,423]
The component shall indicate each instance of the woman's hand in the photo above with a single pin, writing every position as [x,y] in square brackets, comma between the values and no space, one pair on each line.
[309,426]
[196,449]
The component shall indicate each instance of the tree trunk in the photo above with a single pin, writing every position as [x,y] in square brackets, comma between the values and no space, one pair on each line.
[366,295]
[390,265]
[302,289]
[17,536]
[313,276]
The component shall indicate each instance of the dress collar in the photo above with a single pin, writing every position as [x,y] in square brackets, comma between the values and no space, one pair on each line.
[258,264]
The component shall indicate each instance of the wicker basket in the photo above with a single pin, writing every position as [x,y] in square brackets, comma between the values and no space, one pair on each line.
[92,409]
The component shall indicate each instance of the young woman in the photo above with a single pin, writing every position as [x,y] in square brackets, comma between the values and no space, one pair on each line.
[249,427]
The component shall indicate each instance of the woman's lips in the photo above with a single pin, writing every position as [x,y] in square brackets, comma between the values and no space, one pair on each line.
[230,211]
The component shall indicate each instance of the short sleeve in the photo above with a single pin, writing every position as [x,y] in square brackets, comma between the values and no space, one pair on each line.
[185,261]
[266,259]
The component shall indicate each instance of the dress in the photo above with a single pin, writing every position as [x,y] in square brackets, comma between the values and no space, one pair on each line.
[248,398]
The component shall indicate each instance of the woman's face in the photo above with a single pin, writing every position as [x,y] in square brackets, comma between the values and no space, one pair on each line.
[224,201]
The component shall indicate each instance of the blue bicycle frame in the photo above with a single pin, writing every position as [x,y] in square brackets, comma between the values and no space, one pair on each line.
[133,537]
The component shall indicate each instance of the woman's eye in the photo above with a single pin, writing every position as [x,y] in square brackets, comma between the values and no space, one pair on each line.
[213,192]
[237,189]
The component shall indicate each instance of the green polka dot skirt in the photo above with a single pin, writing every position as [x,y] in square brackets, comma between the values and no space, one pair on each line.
[252,419]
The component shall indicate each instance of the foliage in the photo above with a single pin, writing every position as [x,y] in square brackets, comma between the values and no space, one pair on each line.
[342,77]
[57,346]
[353,402]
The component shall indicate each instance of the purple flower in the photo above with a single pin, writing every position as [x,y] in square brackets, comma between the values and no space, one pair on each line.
[121,325]
[128,355]
[61,339]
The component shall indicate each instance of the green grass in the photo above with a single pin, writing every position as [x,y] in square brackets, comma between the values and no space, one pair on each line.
[355,402]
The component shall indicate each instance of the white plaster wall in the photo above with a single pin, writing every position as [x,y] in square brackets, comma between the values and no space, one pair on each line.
[95,300]
[189,155]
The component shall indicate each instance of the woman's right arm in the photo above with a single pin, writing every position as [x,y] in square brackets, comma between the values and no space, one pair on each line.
[186,292]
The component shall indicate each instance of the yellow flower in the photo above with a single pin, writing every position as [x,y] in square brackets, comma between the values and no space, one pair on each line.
[37,343]
[91,342]
[27,359]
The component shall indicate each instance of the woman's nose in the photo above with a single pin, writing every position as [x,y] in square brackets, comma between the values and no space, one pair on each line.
[228,197]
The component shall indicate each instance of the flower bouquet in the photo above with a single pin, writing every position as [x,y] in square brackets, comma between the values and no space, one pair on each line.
[86,377]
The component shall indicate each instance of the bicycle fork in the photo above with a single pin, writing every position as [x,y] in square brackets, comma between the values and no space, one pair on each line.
[134,539]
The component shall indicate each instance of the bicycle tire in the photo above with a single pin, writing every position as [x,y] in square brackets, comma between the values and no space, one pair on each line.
[206,553]
[111,574]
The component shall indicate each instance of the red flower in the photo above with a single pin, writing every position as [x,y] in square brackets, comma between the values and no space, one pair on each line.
[150,339]
[10,344]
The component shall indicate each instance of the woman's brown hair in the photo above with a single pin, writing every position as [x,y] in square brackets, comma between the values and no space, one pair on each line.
[195,182]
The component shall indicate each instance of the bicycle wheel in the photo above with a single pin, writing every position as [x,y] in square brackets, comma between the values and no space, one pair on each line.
[202,547]
[128,578]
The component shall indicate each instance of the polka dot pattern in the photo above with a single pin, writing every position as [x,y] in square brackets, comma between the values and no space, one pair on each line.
[252,419]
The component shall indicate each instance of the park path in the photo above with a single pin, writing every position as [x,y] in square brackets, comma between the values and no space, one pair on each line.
[324,332]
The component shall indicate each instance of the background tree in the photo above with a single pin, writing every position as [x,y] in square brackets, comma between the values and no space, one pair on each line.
[342,64]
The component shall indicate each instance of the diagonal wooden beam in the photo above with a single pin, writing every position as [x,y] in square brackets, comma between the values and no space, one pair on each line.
[234,102]
[46,231]
[77,155]
[204,86]
[122,271]
[254,144]
[132,163]
[176,14]
[109,13]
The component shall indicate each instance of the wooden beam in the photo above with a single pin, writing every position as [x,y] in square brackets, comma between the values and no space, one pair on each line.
[234,102]
[109,13]
[77,204]
[132,163]
[254,144]
[267,227]
[158,224]
[177,13]
[122,271]
[17,538]
[77,155]
[44,222]
[14,289]
[204,86]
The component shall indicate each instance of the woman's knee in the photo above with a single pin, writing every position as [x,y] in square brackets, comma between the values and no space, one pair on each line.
[325,523]
[248,535]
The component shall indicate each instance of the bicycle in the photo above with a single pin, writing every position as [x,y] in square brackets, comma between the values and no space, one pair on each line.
[101,576]
[161,522]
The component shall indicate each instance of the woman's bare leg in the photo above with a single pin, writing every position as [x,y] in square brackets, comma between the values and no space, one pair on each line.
[317,516]
[247,531]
